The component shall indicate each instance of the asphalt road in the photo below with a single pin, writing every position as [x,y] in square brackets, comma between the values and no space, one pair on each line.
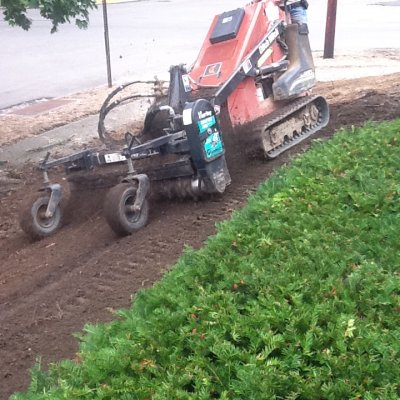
[148,36]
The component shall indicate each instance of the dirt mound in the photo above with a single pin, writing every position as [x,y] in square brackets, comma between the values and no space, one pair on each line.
[50,288]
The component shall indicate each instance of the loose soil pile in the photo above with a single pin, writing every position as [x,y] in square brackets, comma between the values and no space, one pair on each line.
[51,288]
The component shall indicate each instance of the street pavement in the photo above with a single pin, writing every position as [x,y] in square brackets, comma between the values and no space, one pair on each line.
[146,37]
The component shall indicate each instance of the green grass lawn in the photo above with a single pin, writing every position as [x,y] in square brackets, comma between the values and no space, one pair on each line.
[297,297]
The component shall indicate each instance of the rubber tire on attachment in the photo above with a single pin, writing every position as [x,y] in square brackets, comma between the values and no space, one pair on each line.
[37,227]
[120,221]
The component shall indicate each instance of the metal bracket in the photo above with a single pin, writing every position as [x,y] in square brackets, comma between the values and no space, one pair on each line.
[81,160]
[152,145]
[55,198]
[141,192]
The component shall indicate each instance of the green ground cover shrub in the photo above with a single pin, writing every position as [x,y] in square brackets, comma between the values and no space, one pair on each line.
[297,297]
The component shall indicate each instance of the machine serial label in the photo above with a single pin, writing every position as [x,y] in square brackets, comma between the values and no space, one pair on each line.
[114,158]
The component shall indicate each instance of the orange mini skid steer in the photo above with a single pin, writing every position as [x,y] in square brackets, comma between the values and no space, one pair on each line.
[254,72]
[258,68]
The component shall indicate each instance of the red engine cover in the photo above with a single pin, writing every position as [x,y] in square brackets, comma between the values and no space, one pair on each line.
[217,62]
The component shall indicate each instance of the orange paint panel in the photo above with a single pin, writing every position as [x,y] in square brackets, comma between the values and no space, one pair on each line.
[243,104]
[219,52]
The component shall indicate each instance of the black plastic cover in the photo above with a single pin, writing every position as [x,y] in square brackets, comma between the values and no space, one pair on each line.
[206,146]
[227,26]
[203,132]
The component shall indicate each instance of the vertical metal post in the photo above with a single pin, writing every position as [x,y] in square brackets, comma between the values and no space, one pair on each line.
[330,29]
[107,42]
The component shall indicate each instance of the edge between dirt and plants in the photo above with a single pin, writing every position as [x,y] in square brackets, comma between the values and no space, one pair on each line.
[296,297]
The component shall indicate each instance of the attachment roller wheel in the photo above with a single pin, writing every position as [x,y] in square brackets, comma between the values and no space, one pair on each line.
[36,224]
[119,212]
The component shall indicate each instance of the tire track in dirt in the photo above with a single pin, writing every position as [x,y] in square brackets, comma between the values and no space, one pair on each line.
[86,270]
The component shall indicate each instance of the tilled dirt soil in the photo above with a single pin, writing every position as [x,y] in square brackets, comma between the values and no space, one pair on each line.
[50,289]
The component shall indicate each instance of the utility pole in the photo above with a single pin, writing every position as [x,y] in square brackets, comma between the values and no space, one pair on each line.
[107,42]
[330,29]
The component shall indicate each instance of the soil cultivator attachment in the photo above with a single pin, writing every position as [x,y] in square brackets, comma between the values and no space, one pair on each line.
[254,72]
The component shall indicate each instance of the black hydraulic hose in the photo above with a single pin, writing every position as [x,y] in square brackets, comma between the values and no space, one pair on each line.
[107,107]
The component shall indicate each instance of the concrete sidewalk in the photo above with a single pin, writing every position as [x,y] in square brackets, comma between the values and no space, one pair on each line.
[74,136]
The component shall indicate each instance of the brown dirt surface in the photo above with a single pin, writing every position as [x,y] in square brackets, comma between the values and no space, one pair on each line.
[51,288]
